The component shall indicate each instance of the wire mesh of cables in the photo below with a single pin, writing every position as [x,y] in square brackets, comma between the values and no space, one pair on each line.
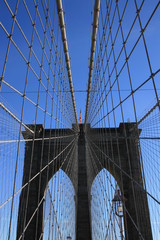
[39,142]
[36,162]
[123,90]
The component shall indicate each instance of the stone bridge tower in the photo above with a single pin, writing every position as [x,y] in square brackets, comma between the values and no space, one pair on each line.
[122,160]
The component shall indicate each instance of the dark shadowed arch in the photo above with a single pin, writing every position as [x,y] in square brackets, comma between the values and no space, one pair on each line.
[43,159]
[122,160]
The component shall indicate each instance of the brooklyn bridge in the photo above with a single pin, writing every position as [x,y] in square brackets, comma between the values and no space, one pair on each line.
[79,120]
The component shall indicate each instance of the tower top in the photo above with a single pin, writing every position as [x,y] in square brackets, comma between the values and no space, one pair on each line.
[80,118]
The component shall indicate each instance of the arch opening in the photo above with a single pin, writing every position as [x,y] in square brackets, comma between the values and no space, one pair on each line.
[106,223]
[59,208]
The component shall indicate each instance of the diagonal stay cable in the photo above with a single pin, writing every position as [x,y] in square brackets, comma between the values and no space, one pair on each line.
[124,172]
[26,184]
